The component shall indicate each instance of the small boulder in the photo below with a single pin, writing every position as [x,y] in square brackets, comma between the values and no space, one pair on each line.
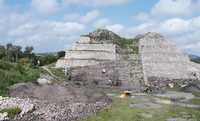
[43,81]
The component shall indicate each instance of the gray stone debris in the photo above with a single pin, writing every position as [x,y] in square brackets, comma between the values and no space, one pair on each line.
[45,111]
[180,119]
[66,112]
[176,103]
[26,105]
[176,95]
[43,81]
[4,116]
[145,115]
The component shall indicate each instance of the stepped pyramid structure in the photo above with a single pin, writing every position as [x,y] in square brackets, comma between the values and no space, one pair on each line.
[91,50]
[104,58]
[163,61]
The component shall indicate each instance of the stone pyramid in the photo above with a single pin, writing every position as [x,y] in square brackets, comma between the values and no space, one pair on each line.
[158,62]
[163,62]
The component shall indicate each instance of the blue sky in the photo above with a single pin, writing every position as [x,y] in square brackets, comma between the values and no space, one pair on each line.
[52,25]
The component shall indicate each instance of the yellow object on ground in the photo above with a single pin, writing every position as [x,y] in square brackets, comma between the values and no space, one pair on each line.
[122,96]
[125,94]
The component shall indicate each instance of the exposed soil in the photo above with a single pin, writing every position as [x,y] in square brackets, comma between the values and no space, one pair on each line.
[56,93]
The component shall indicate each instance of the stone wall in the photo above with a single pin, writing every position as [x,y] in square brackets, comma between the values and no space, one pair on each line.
[124,73]
[88,54]
[94,47]
[60,63]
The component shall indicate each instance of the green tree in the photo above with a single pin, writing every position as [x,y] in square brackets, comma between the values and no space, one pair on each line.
[28,52]
[61,54]
[9,52]
[16,51]
[2,52]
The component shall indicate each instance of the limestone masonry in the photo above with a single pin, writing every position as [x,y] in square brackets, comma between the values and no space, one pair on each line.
[162,59]
[101,58]
[85,54]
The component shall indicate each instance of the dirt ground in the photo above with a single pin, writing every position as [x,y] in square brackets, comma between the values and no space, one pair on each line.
[58,93]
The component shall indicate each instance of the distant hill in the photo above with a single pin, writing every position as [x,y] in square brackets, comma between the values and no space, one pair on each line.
[194,58]
[47,53]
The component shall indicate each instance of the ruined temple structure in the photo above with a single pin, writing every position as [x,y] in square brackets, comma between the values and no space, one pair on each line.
[164,63]
[105,59]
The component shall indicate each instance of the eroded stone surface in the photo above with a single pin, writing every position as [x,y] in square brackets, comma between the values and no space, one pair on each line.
[163,62]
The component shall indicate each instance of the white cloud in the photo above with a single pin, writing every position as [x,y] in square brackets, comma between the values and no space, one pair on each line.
[184,32]
[47,27]
[45,7]
[173,8]
[66,28]
[143,28]
[90,16]
[101,23]
[85,19]
[175,25]
[96,2]
[117,28]
[44,35]
[165,9]
[196,23]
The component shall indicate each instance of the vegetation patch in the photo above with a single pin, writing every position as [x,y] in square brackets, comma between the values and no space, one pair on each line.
[120,110]
[195,101]
[12,112]
[12,73]
[59,73]
[132,44]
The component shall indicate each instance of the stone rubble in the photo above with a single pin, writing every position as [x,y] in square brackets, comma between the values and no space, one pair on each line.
[4,116]
[45,111]
[26,105]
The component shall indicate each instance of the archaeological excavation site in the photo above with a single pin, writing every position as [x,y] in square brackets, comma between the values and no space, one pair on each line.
[106,77]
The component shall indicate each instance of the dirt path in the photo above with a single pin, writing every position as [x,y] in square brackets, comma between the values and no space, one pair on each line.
[49,71]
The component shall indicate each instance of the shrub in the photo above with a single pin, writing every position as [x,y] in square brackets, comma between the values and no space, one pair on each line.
[16,73]
[47,59]
[5,65]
